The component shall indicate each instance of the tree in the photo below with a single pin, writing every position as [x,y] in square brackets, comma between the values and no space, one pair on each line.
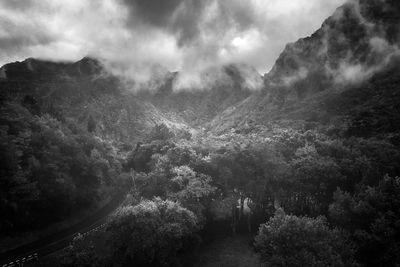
[314,181]
[372,217]
[287,240]
[91,125]
[140,158]
[151,233]
[191,189]
[49,169]
[80,253]
[160,132]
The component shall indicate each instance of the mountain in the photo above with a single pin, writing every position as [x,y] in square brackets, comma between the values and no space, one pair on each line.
[342,80]
[79,91]
[321,137]
[220,89]
[65,129]
[351,62]
[85,90]
[348,60]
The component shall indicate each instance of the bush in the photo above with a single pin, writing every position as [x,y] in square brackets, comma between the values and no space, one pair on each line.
[372,217]
[160,132]
[287,240]
[151,233]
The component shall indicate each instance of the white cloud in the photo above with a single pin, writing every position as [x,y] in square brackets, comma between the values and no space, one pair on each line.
[252,32]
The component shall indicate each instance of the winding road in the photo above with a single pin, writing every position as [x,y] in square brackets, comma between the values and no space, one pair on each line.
[60,240]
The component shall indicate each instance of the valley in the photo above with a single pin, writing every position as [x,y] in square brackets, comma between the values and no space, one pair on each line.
[303,171]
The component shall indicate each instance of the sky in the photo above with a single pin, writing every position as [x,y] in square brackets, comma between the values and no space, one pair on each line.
[137,38]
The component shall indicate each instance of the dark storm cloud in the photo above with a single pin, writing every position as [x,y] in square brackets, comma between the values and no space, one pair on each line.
[18,4]
[186,22]
[16,42]
[180,17]
[237,14]
[16,36]
[184,17]
[154,12]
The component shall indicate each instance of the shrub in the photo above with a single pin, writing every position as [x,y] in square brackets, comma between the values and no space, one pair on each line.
[151,233]
[287,240]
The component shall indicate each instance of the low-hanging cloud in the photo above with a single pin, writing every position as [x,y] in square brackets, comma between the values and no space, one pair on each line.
[359,40]
[378,51]
[136,37]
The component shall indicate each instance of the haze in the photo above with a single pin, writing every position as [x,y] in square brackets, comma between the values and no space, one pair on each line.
[140,37]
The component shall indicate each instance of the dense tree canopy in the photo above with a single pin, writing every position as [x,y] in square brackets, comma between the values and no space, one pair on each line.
[151,233]
[49,169]
[372,217]
[287,240]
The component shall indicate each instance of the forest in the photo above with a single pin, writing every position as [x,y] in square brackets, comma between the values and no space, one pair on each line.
[303,170]
[317,192]
[309,199]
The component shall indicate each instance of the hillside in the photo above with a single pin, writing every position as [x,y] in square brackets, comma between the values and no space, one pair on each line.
[65,131]
[79,91]
[306,167]
[352,58]
[221,88]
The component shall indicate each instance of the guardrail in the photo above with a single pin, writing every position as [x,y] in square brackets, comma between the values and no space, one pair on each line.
[35,256]
[60,240]
[21,262]
[94,229]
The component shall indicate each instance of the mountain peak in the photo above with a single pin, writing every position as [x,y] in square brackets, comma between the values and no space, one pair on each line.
[87,66]
[33,68]
[358,40]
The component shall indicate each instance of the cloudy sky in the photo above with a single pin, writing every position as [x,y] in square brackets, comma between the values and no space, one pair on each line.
[133,36]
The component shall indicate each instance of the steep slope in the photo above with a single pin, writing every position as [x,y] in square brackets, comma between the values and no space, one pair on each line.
[220,89]
[80,91]
[355,48]
[354,43]
[64,131]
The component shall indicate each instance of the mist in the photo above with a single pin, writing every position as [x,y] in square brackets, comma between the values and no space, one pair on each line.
[142,39]
[349,48]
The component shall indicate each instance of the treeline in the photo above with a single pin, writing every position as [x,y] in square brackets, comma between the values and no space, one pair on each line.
[335,200]
[50,168]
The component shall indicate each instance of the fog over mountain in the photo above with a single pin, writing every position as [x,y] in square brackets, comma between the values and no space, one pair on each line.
[138,38]
[200,133]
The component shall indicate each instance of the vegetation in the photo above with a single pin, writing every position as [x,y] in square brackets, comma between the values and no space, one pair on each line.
[235,182]
[158,231]
[314,166]
[372,218]
[49,169]
[287,240]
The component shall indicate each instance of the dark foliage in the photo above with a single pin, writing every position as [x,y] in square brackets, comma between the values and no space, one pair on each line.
[49,169]
[301,241]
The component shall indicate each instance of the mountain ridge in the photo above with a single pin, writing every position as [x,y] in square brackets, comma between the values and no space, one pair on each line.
[357,42]
[349,50]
